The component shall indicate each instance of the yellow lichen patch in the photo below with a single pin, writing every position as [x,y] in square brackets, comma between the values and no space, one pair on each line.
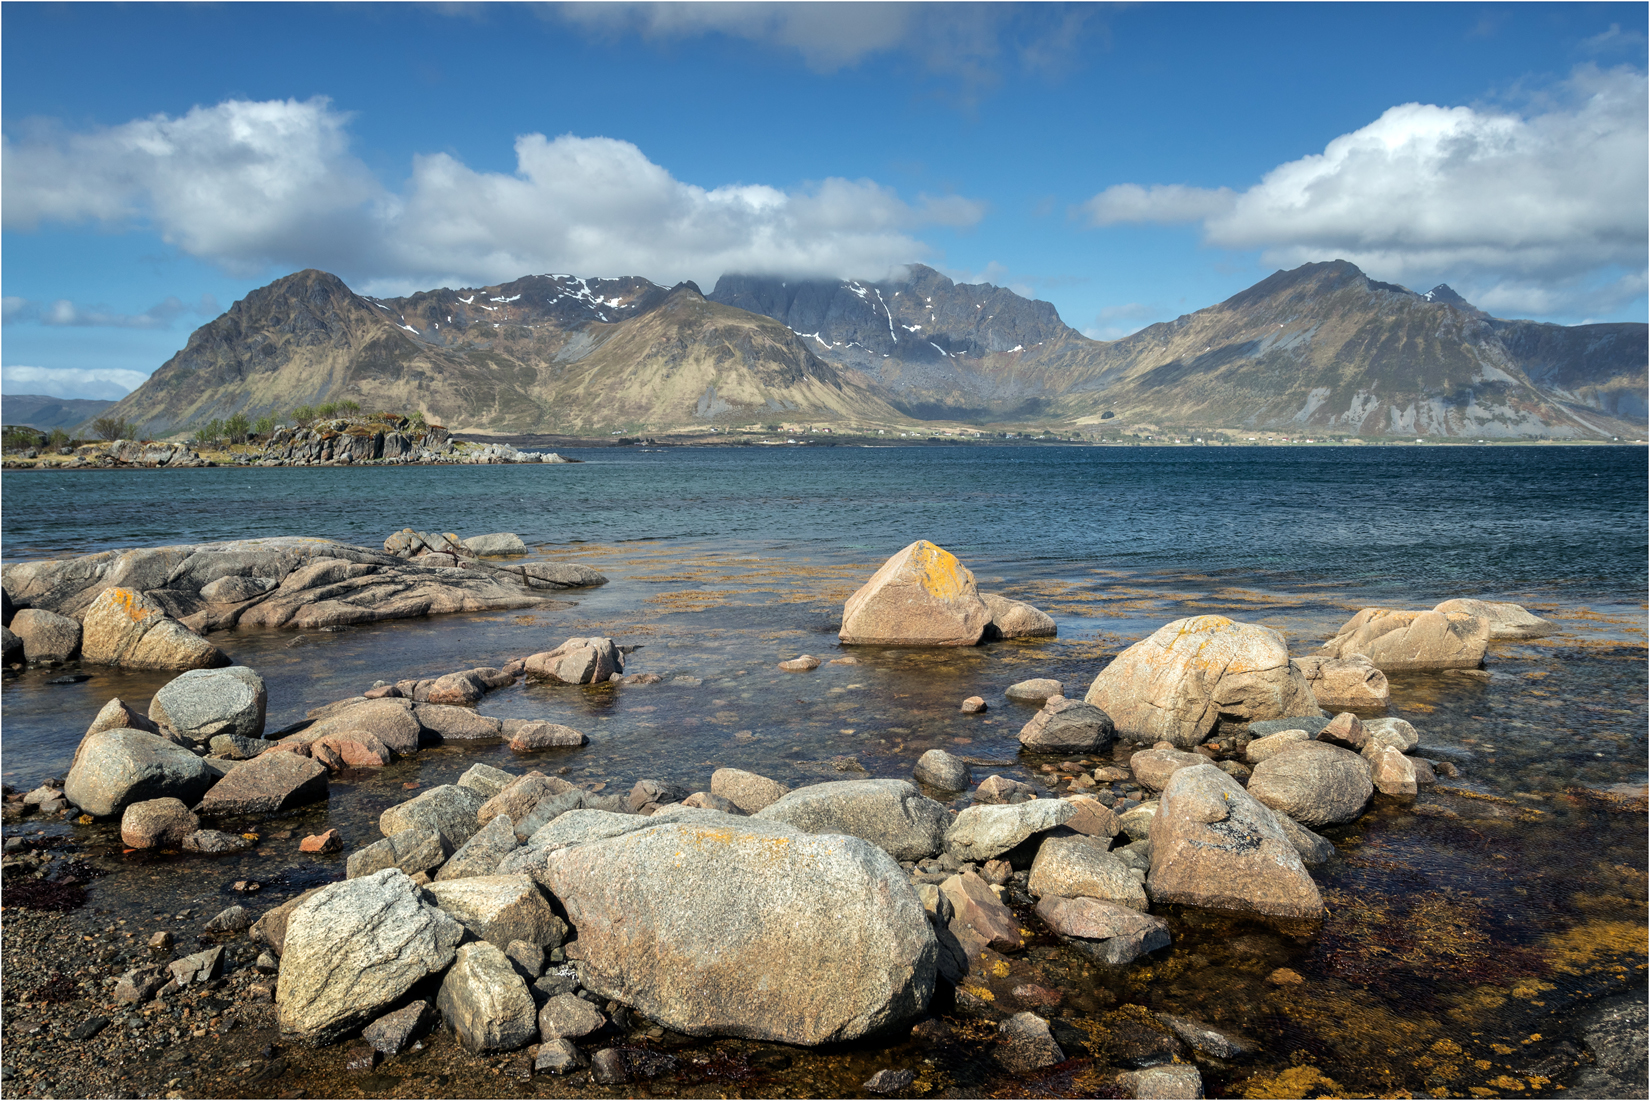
[1501,1049]
[130,603]
[1000,969]
[938,571]
[1304,1081]
[1529,988]
[1593,944]
[1507,1082]
[1445,1047]
[983,993]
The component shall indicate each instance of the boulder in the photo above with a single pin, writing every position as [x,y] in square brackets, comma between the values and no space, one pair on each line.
[1067,726]
[349,749]
[1034,691]
[485,780]
[558,1057]
[1105,931]
[352,948]
[1349,682]
[1073,867]
[1313,849]
[979,919]
[578,661]
[1024,1044]
[455,724]
[549,808]
[457,689]
[496,543]
[128,628]
[1396,733]
[115,768]
[974,705]
[1153,767]
[392,1033]
[531,735]
[1000,789]
[939,769]
[748,791]
[156,823]
[1016,619]
[1505,620]
[1392,773]
[1273,744]
[1176,1080]
[982,832]
[118,715]
[704,800]
[481,854]
[485,1002]
[391,721]
[501,908]
[203,703]
[11,647]
[268,783]
[203,966]
[795,937]
[891,814]
[1214,846]
[1345,730]
[1315,783]
[570,1017]
[449,810]
[1092,818]
[1136,822]
[412,851]
[518,798]
[271,927]
[1402,641]
[233,747]
[1175,685]
[655,793]
[922,596]
[46,636]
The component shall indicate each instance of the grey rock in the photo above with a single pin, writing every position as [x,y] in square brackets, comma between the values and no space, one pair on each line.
[1074,866]
[353,948]
[1391,731]
[889,1080]
[1177,1080]
[459,724]
[271,927]
[891,814]
[1273,744]
[497,543]
[235,919]
[237,747]
[412,850]
[268,783]
[1207,1040]
[46,636]
[1265,728]
[391,721]
[982,832]
[485,1002]
[235,590]
[1107,933]
[661,792]
[392,1033]
[156,823]
[202,703]
[746,790]
[1024,1044]
[1153,767]
[139,985]
[1035,691]
[939,769]
[520,795]
[558,1057]
[796,937]
[501,908]
[449,810]
[1068,726]
[485,780]
[1313,849]
[548,809]
[115,768]
[215,842]
[607,1067]
[528,958]
[578,661]
[1315,783]
[568,1016]
[704,800]
[203,966]
[1016,619]
[1615,1037]
[481,854]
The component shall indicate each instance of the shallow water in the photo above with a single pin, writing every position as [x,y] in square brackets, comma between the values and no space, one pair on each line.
[1477,916]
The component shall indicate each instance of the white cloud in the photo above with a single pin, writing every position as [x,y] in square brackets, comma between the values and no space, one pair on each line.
[1544,206]
[254,185]
[1115,322]
[64,313]
[102,383]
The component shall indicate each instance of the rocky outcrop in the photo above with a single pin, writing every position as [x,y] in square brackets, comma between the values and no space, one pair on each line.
[115,768]
[891,814]
[1216,847]
[1177,684]
[799,938]
[922,596]
[1351,682]
[1507,621]
[126,627]
[1405,641]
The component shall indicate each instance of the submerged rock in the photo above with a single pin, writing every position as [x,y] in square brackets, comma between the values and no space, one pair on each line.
[1402,641]
[1175,685]
[922,596]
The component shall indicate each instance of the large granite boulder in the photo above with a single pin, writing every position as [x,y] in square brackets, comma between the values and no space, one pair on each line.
[578,661]
[413,851]
[1068,726]
[984,831]
[891,814]
[47,636]
[131,629]
[353,948]
[1403,641]
[202,703]
[496,543]
[743,927]
[922,596]
[268,783]
[449,810]
[1351,682]
[115,768]
[1073,867]
[1214,846]
[1505,620]
[500,909]
[485,1002]
[1016,619]
[1175,685]
[481,854]
[1315,783]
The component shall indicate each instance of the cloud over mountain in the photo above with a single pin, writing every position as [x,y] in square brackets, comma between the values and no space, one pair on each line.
[247,185]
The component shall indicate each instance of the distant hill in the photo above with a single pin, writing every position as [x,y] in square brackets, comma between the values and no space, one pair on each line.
[1322,347]
[545,354]
[39,411]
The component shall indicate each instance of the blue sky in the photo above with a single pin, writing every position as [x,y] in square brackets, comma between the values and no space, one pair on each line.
[1128,164]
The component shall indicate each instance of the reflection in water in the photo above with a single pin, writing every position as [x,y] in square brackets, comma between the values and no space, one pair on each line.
[1458,925]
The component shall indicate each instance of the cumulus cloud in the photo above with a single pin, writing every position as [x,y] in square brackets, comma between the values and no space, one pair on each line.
[1544,206]
[253,185]
[64,313]
[100,383]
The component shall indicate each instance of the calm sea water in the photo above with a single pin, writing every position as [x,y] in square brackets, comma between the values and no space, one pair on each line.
[1479,916]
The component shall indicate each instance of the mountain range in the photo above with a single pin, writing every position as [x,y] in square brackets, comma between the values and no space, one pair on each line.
[1321,348]
[40,411]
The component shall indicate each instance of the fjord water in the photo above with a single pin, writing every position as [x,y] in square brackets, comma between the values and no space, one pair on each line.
[1460,925]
